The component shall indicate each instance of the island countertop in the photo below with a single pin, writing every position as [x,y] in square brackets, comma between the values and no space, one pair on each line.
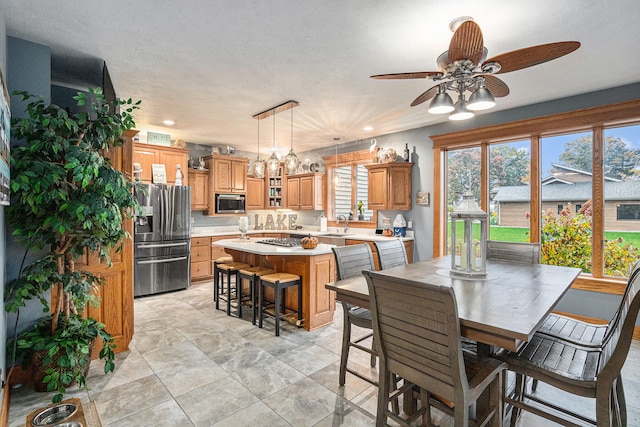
[253,246]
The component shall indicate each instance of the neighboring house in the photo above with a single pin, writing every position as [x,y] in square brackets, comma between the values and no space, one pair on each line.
[569,186]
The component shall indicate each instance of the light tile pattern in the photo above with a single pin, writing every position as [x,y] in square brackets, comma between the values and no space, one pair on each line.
[192,365]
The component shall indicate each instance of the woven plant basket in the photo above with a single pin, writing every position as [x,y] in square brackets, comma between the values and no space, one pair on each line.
[39,370]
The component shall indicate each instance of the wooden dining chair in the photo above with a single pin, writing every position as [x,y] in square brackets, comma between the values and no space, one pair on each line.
[417,332]
[518,252]
[581,332]
[589,371]
[350,261]
[391,253]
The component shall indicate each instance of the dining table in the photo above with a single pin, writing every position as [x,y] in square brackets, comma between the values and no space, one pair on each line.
[503,309]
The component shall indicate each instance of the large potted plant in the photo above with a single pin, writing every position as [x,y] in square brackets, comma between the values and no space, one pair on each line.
[66,198]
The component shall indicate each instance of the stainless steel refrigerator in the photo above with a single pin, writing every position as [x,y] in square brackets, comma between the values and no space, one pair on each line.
[162,240]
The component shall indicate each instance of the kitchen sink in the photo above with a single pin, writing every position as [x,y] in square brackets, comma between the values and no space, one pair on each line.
[334,235]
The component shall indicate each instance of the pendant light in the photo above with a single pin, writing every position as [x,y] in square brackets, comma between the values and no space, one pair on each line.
[258,166]
[273,164]
[291,161]
[336,177]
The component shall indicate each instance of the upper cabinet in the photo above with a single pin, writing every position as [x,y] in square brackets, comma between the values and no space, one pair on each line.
[305,192]
[199,181]
[390,186]
[255,193]
[228,174]
[147,155]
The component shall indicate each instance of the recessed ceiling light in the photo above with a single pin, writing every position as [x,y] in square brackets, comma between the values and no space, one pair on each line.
[367,128]
[169,122]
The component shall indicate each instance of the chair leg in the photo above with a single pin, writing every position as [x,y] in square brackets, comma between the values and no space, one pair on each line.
[228,293]
[260,303]
[603,405]
[495,400]
[344,356]
[252,293]
[373,356]
[622,404]
[383,396]
[277,298]
[518,394]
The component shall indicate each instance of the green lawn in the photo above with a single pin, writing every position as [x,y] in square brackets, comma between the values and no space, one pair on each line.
[517,234]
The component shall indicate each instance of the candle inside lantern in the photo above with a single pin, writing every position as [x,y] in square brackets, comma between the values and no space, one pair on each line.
[463,255]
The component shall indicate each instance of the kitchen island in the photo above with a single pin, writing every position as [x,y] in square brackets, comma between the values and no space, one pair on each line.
[316,267]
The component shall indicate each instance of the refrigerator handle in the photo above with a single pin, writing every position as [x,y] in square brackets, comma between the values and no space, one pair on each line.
[161,261]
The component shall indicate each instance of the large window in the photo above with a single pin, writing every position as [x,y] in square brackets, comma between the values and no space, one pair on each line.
[571,186]
[347,186]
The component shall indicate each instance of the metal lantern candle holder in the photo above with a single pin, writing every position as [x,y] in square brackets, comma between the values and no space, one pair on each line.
[468,256]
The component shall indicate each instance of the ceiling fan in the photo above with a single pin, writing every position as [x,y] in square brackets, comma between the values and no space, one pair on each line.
[465,67]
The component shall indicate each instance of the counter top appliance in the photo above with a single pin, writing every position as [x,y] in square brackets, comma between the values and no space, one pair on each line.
[161,239]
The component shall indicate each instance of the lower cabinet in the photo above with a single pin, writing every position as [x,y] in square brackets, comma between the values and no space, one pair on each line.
[203,253]
[201,258]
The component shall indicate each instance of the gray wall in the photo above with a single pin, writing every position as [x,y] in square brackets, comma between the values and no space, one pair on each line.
[28,68]
[3,317]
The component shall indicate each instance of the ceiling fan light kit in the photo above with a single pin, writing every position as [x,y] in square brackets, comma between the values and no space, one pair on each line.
[464,68]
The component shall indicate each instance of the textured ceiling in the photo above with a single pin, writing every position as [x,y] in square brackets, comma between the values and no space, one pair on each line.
[211,65]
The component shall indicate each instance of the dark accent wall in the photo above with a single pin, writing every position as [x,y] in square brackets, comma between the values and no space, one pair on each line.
[28,68]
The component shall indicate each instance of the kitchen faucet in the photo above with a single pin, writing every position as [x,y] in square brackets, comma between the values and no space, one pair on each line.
[346,222]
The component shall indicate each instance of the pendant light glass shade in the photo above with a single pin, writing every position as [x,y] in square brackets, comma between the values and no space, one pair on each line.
[273,164]
[291,161]
[481,98]
[258,166]
[460,111]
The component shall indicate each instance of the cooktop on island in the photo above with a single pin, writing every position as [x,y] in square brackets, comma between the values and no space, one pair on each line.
[284,242]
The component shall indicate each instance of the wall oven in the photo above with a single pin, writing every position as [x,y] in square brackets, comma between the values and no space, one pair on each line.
[230,203]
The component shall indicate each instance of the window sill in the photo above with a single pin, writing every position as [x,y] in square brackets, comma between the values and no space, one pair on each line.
[613,286]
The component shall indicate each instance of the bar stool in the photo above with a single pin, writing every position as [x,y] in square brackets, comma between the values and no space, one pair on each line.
[252,275]
[217,273]
[231,269]
[279,282]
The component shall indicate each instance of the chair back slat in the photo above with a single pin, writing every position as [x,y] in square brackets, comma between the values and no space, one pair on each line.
[391,253]
[418,332]
[352,259]
[615,346]
[519,252]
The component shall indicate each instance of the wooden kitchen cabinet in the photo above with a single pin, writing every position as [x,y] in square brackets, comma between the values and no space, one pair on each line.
[201,258]
[390,186]
[199,182]
[148,154]
[228,174]
[305,192]
[255,193]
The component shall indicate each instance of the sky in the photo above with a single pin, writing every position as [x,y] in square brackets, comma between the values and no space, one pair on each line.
[553,146]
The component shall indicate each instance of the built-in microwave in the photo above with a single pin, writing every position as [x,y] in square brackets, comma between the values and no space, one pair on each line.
[230,203]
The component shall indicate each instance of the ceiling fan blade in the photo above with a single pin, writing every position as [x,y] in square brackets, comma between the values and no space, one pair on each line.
[416,75]
[467,43]
[534,55]
[497,87]
[427,95]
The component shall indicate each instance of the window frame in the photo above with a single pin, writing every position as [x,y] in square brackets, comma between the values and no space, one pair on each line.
[592,120]
[353,158]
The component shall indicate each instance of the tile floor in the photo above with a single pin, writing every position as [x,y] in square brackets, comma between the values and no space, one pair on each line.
[191,365]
